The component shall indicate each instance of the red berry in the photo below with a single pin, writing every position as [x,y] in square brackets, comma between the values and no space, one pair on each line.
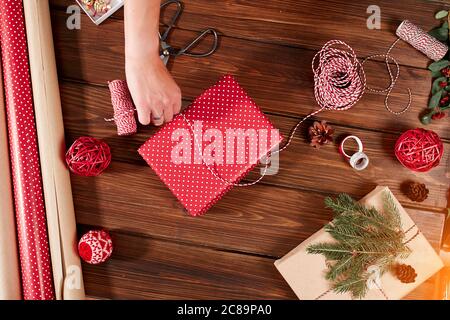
[445,71]
[444,100]
[443,84]
[438,115]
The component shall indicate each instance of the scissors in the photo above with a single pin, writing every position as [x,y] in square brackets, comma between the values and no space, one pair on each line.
[167,50]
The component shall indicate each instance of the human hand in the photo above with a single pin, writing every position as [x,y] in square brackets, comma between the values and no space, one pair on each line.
[155,94]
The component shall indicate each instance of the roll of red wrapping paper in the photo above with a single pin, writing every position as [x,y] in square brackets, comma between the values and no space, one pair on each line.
[28,198]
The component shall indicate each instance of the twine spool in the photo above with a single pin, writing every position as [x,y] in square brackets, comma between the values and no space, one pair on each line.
[88,157]
[123,108]
[339,79]
[419,149]
[422,41]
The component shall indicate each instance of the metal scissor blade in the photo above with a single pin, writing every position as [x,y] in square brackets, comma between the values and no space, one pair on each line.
[164,54]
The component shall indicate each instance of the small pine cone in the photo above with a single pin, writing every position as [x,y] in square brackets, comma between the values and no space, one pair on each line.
[320,133]
[404,272]
[417,191]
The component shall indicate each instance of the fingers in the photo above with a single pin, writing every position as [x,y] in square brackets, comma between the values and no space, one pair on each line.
[157,114]
[160,110]
[177,104]
[144,115]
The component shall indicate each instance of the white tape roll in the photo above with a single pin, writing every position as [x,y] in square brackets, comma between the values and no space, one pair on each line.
[359,160]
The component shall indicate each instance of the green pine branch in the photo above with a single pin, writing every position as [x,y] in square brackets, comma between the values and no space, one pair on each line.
[363,237]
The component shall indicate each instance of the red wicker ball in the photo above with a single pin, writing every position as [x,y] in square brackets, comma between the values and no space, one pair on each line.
[88,156]
[419,149]
[95,246]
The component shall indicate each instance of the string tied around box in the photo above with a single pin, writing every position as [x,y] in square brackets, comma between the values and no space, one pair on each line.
[339,83]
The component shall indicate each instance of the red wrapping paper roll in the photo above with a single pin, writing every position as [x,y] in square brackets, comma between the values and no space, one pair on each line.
[31,224]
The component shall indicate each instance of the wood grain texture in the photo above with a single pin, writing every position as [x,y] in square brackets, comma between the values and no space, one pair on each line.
[309,23]
[145,268]
[286,87]
[145,206]
[301,166]
[160,251]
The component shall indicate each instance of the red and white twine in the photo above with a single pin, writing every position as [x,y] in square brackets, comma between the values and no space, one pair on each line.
[339,82]
[123,108]
[422,41]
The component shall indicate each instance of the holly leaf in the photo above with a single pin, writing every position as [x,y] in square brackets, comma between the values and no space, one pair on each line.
[438,65]
[435,98]
[436,84]
[441,14]
[440,33]
[436,74]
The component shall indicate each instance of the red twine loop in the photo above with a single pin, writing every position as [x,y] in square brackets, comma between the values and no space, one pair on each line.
[419,149]
[88,157]
[339,79]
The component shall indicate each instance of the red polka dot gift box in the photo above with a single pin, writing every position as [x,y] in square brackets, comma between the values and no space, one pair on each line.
[211,146]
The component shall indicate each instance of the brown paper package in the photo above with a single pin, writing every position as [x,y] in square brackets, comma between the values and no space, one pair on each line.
[305,272]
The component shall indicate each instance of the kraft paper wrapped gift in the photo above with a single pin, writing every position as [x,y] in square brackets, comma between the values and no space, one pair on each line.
[305,272]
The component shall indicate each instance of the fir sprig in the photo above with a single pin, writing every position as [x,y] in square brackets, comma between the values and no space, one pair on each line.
[363,237]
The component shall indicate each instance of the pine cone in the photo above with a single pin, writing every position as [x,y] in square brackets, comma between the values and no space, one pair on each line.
[320,133]
[404,272]
[417,191]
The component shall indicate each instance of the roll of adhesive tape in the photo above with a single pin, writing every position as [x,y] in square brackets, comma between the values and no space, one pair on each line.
[359,160]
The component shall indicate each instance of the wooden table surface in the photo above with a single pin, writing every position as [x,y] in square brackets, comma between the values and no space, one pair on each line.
[160,252]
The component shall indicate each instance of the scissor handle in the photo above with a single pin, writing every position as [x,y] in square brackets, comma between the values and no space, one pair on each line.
[201,36]
[174,19]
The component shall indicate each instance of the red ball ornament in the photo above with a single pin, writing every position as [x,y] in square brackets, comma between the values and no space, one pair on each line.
[88,156]
[419,149]
[95,246]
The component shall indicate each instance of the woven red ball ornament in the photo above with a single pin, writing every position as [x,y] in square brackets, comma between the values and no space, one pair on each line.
[95,246]
[419,149]
[88,156]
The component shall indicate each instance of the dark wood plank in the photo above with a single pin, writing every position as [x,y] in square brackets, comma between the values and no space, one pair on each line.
[146,206]
[309,23]
[144,268]
[280,79]
[177,263]
[279,218]
[301,166]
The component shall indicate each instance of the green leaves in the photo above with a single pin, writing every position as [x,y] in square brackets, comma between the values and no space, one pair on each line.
[440,33]
[434,100]
[436,87]
[438,65]
[362,237]
[441,14]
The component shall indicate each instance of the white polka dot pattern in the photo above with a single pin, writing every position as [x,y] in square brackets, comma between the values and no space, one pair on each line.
[221,107]
[36,274]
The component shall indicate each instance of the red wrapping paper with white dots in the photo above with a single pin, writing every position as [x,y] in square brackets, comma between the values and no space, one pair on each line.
[175,154]
[37,281]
